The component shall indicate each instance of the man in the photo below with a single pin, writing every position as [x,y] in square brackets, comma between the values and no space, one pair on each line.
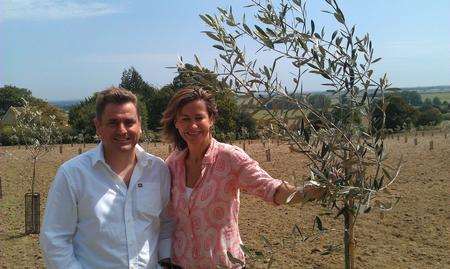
[105,207]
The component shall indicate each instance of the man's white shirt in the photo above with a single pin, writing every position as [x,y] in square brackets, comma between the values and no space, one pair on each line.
[92,220]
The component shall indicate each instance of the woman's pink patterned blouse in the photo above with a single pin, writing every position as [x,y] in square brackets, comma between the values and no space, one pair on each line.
[206,225]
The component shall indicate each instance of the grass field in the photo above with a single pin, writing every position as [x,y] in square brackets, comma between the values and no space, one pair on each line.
[444,96]
[414,234]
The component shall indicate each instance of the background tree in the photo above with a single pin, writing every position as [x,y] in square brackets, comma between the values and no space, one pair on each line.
[413,98]
[436,101]
[320,101]
[429,116]
[346,156]
[49,111]
[132,81]
[13,96]
[445,108]
[81,118]
[246,127]
[399,114]
[161,100]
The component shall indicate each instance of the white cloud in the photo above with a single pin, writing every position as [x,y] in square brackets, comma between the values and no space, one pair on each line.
[54,9]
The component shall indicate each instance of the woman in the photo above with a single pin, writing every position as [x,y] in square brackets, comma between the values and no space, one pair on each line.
[206,178]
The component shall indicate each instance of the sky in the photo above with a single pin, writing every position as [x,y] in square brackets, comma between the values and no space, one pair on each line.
[69,49]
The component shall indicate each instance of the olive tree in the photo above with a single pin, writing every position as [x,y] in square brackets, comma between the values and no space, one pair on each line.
[38,133]
[346,154]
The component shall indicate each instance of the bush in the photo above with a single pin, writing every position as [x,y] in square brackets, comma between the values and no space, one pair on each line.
[413,98]
[430,116]
[81,118]
[245,126]
[399,114]
[7,137]
[446,116]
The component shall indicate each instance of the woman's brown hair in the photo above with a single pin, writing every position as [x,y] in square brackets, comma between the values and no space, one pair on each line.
[181,98]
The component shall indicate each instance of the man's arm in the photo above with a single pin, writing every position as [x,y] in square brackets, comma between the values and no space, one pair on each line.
[165,242]
[59,225]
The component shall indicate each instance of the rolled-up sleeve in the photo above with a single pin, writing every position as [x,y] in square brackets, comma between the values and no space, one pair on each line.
[167,224]
[59,226]
[253,179]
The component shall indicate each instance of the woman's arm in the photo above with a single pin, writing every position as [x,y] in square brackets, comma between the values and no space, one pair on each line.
[308,192]
[254,180]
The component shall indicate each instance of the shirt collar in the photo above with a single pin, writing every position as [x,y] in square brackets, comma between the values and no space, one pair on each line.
[143,158]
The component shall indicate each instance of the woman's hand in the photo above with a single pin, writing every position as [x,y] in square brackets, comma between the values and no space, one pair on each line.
[288,194]
[312,191]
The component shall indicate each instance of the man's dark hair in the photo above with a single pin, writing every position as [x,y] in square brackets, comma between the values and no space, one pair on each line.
[114,95]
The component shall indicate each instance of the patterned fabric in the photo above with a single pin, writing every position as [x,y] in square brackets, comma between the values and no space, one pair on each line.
[206,224]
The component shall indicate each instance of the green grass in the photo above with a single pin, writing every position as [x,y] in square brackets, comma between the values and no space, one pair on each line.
[444,96]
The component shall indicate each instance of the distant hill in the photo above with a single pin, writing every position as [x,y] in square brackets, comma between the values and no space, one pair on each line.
[65,105]
[441,88]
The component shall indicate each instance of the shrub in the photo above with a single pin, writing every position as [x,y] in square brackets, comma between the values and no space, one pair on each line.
[429,116]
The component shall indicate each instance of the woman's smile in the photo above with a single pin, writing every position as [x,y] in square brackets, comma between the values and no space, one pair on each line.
[194,123]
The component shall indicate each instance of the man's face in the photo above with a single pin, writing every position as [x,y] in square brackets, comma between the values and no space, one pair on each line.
[119,127]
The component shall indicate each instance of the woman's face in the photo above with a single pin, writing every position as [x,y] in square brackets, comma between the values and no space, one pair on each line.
[193,123]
